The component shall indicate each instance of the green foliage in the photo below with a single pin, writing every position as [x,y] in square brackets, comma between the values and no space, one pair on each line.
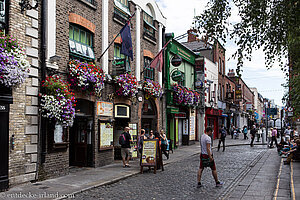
[273,25]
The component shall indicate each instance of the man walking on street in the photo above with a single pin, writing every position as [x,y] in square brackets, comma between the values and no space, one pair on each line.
[274,137]
[206,157]
[223,134]
[252,133]
[125,140]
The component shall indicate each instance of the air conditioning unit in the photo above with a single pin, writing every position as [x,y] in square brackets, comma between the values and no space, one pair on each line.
[122,111]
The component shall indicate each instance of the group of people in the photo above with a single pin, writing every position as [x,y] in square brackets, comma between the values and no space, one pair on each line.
[289,145]
[125,141]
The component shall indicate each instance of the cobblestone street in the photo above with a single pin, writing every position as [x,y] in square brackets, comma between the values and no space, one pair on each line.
[178,181]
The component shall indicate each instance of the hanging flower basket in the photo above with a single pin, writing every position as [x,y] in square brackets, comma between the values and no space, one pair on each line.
[186,97]
[197,98]
[86,77]
[126,85]
[152,88]
[58,102]
[178,94]
[13,63]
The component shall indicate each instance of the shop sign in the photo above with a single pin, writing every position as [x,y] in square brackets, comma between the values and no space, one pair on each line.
[106,136]
[177,75]
[192,126]
[180,115]
[185,127]
[199,84]
[248,106]
[172,110]
[199,65]
[229,95]
[176,60]
[104,109]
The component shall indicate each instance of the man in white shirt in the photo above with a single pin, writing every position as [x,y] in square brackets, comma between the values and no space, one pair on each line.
[206,157]
[287,134]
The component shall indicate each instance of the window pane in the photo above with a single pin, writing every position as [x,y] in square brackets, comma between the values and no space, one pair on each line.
[88,39]
[76,34]
[71,32]
[82,37]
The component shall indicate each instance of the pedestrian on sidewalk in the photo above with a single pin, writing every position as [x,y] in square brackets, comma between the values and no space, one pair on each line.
[206,157]
[223,134]
[232,128]
[252,133]
[245,132]
[164,143]
[287,134]
[269,136]
[142,137]
[274,137]
[151,135]
[125,140]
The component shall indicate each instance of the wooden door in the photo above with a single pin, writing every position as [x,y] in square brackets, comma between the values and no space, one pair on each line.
[78,135]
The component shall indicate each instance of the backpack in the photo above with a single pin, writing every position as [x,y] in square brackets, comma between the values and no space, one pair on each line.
[122,139]
[223,133]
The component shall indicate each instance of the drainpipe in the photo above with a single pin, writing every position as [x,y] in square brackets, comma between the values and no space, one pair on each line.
[42,132]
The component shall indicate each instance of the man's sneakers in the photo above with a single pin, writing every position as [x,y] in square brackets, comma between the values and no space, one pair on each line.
[219,184]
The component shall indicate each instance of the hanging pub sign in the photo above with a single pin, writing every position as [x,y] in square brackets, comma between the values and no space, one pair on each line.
[238,94]
[177,75]
[199,84]
[176,60]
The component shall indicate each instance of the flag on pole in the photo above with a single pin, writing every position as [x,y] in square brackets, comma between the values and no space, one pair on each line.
[157,62]
[126,48]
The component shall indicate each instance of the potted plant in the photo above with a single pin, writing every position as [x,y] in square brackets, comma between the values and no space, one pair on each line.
[152,88]
[58,102]
[13,63]
[86,77]
[126,85]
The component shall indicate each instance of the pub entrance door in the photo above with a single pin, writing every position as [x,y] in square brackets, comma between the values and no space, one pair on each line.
[80,142]
[4,130]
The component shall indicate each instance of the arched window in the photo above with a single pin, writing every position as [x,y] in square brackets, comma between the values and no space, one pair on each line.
[149,27]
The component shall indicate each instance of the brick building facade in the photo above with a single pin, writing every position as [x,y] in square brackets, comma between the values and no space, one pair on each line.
[102,21]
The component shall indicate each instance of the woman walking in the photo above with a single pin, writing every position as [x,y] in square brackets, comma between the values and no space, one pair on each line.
[164,143]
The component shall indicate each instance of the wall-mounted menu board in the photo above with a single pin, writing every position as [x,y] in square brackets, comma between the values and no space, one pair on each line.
[106,135]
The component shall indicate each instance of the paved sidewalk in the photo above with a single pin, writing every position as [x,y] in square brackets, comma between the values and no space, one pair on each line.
[82,179]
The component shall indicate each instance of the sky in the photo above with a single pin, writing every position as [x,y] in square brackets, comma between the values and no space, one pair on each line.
[180,13]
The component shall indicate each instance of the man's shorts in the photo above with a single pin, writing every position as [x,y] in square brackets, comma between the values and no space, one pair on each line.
[212,164]
[125,151]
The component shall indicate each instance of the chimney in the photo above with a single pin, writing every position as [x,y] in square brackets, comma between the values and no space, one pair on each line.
[231,73]
[192,35]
